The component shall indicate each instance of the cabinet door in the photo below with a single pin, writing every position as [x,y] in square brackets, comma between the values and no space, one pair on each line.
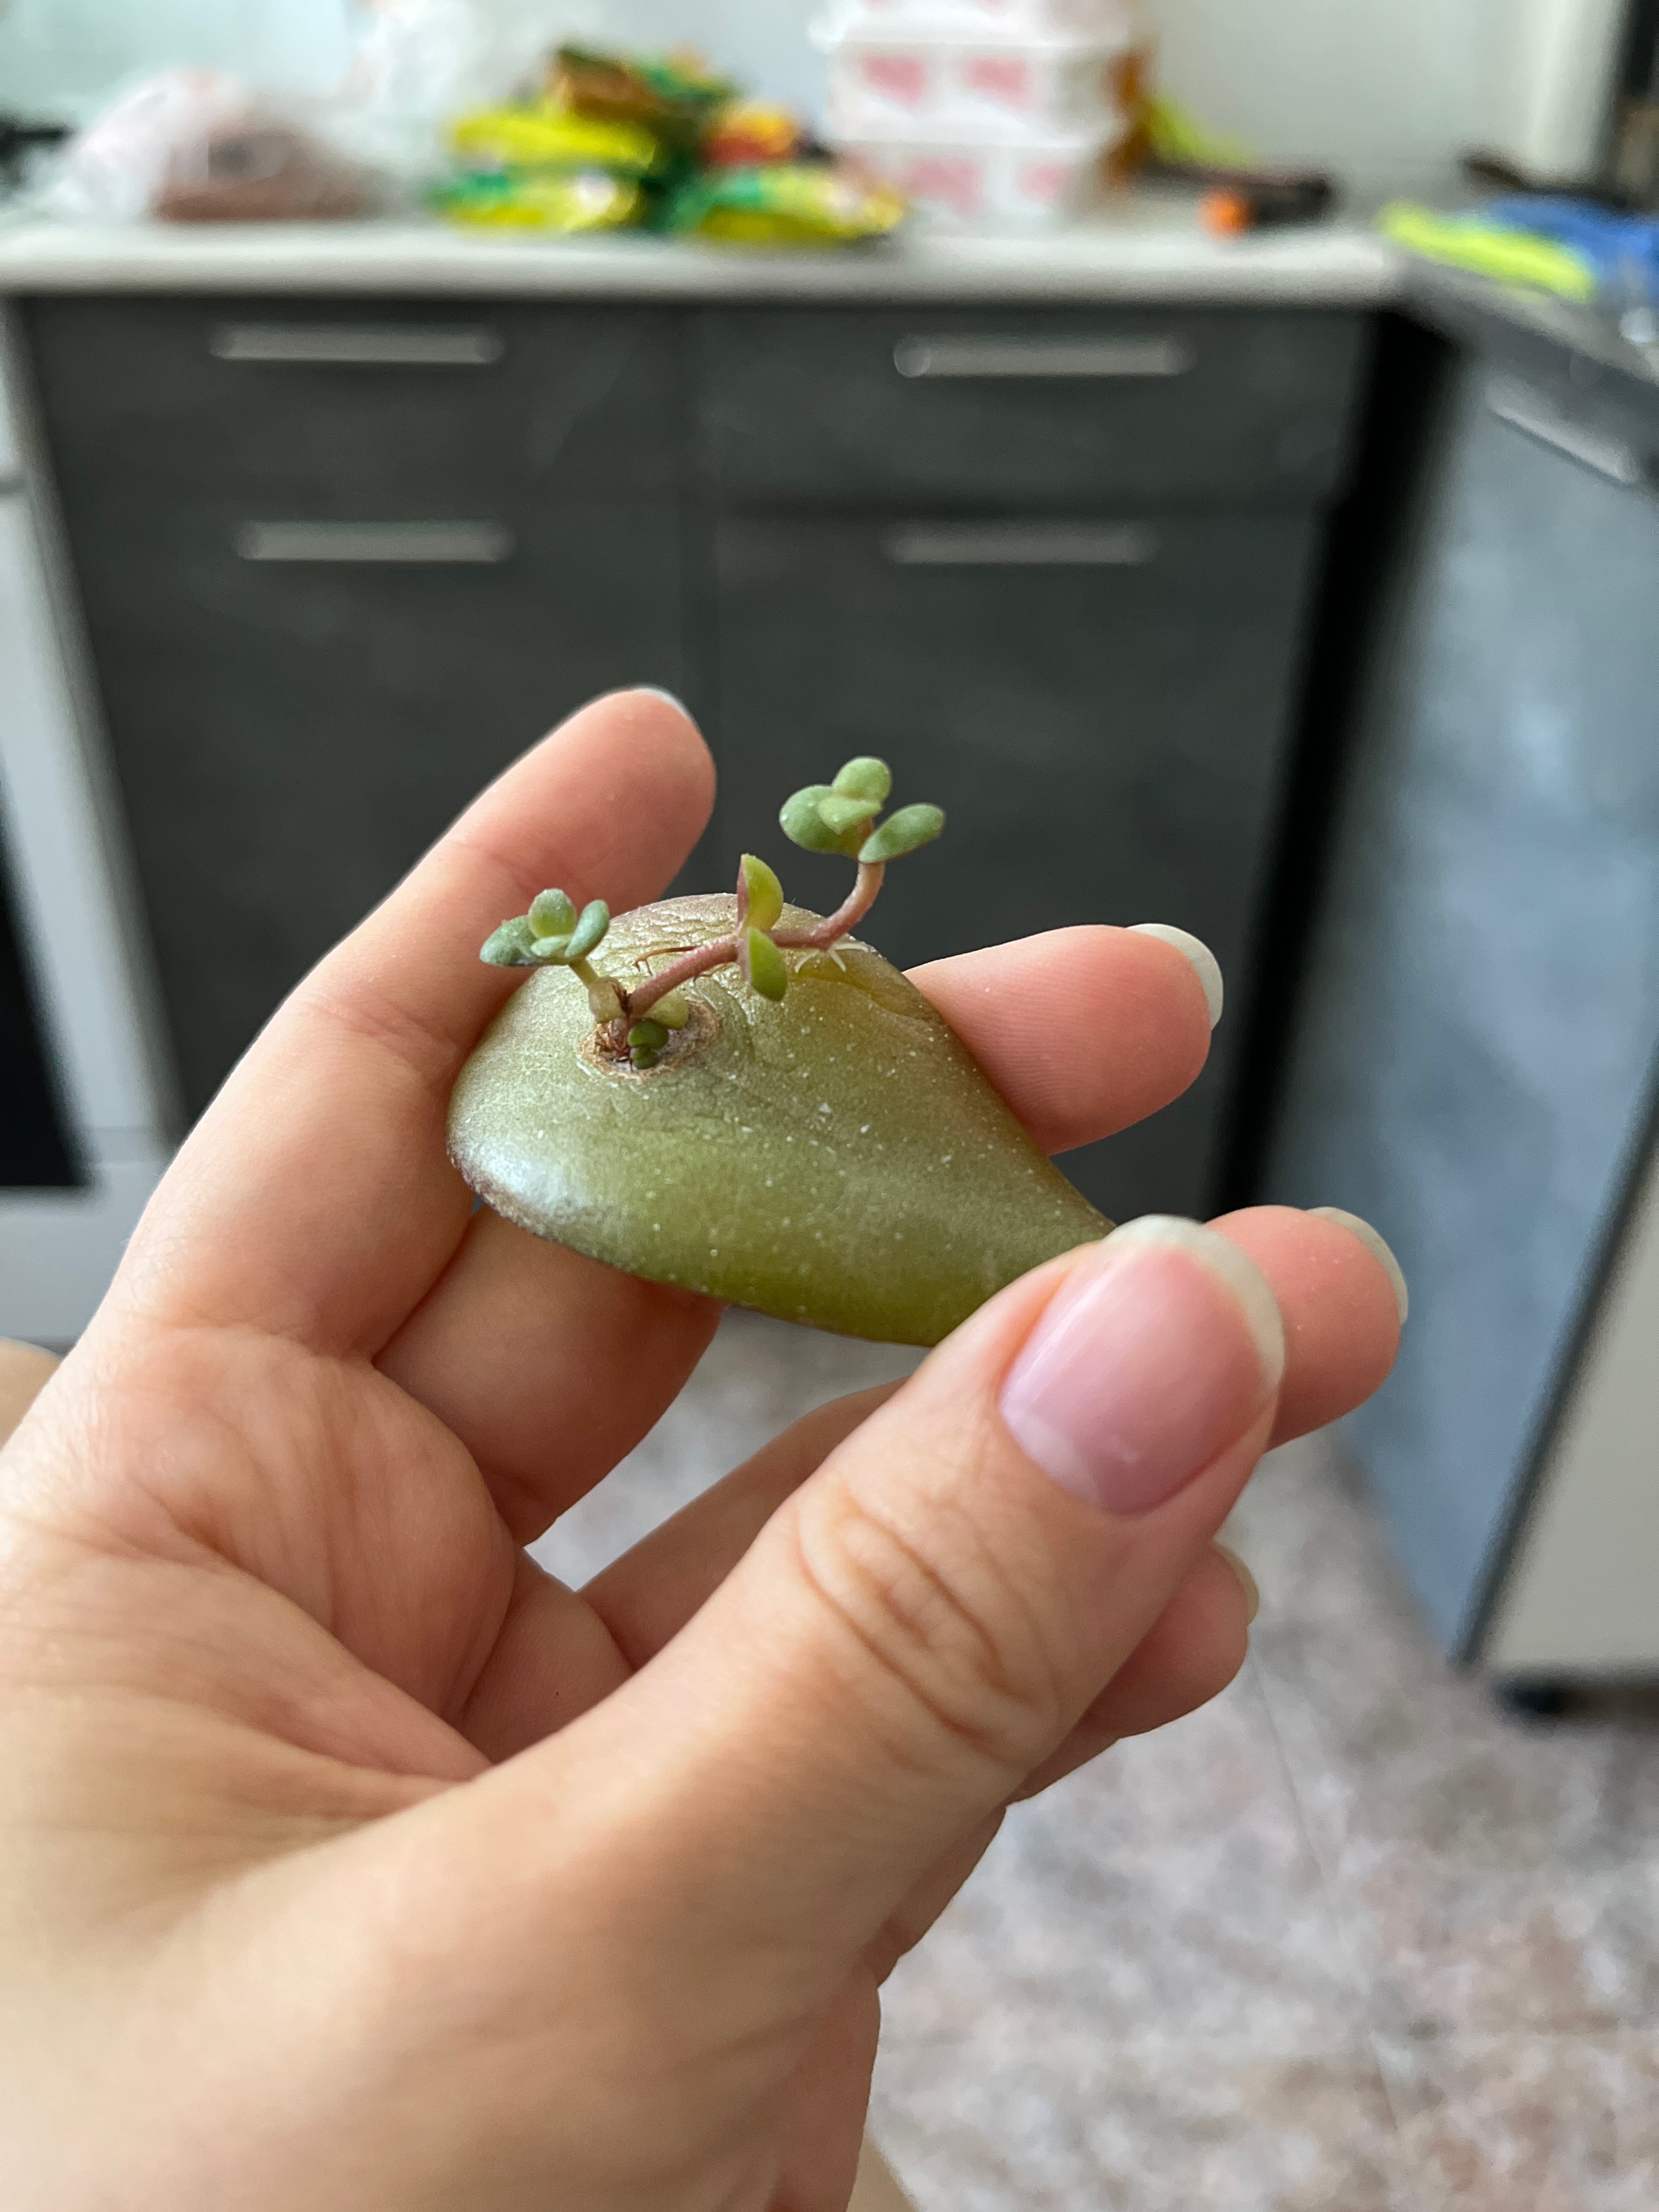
[290,735]
[1101,709]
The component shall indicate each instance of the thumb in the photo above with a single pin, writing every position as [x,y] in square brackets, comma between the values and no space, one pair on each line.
[925,1620]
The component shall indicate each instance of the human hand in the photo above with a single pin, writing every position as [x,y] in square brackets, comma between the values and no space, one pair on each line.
[348,1860]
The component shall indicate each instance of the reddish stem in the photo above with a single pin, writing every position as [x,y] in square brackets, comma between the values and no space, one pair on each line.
[723,952]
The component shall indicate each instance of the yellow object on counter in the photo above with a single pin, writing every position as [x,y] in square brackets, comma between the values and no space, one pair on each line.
[530,199]
[1489,249]
[548,138]
[785,204]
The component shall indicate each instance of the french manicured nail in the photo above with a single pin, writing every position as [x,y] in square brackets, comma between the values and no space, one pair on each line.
[1379,1251]
[656,691]
[1193,949]
[1247,1582]
[1158,1353]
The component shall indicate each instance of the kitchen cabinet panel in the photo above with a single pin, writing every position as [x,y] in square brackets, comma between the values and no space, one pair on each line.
[973,409]
[1107,736]
[289,736]
[328,409]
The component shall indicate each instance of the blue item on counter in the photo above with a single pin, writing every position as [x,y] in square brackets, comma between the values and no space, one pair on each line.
[1620,248]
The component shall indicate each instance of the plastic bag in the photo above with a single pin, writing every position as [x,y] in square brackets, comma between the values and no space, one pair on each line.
[198,145]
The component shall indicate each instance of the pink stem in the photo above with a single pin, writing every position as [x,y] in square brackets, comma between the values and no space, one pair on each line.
[723,950]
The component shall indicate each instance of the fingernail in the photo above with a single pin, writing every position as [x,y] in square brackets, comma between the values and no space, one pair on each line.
[656,691]
[1158,1352]
[1205,964]
[1247,1582]
[1379,1251]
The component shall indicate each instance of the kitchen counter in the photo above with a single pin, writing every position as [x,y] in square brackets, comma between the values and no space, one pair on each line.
[1148,247]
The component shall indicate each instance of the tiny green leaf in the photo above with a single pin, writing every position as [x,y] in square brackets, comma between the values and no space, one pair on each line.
[509,947]
[644,1056]
[552,915]
[590,930]
[864,778]
[903,832]
[764,965]
[674,1011]
[650,1035]
[551,952]
[804,825]
[842,814]
[765,894]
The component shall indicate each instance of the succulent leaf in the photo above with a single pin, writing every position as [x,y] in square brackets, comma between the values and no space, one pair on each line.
[552,913]
[550,951]
[864,778]
[904,832]
[674,1011]
[589,930]
[646,1035]
[764,965]
[765,908]
[509,945]
[802,824]
[842,814]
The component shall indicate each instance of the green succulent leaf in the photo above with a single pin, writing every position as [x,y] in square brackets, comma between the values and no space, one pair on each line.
[864,778]
[644,1056]
[552,913]
[803,825]
[908,830]
[509,947]
[842,814]
[550,951]
[764,965]
[765,894]
[674,1011]
[646,1035]
[589,932]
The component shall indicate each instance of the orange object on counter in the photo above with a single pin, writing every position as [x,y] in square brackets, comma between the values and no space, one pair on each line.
[749,133]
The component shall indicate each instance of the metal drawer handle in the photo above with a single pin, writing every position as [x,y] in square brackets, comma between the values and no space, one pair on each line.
[1019,545]
[1532,414]
[431,545]
[1043,357]
[357,345]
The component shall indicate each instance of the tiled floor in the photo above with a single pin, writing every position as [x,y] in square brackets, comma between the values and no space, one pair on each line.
[1351,1939]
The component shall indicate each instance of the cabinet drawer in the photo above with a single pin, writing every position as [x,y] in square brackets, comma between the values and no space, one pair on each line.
[289,735]
[1102,711]
[1061,409]
[326,406]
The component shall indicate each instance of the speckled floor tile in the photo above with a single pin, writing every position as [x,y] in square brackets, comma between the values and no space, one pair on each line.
[1495,1875]
[1031,2120]
[1539,2124]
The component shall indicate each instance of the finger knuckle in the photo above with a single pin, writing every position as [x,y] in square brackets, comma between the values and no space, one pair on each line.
[943,1641]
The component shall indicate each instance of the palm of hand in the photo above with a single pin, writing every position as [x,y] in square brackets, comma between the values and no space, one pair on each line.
[262,1553]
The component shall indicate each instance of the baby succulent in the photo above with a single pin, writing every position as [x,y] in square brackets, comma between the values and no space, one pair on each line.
[745,1100]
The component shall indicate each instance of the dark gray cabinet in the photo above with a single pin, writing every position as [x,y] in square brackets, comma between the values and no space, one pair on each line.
[1101,709]
[1478,1043]
[328,600]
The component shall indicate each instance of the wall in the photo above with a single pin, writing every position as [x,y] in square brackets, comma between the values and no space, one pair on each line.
[1386,91]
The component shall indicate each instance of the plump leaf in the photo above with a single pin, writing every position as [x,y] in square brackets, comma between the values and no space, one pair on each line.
[647,1035]
[589,930]
[904,832]
[674,1011]
[864,778]
[552,913]
[765,894]
[764,965]
[509,947]
[842,814]
[550,951]
[804,825]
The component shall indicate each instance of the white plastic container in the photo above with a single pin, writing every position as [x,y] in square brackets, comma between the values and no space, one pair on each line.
[883,82]
[1034,183]
[1116,21]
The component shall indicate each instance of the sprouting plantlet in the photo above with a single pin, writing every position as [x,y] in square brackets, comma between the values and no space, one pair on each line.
[842,817]
[738,1096]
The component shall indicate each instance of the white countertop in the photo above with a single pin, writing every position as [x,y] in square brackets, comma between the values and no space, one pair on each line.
[1141,248]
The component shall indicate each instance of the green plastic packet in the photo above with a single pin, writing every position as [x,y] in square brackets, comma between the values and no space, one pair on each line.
[783,203]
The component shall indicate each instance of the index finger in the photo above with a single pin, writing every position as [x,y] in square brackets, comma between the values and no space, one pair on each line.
[315,1198]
